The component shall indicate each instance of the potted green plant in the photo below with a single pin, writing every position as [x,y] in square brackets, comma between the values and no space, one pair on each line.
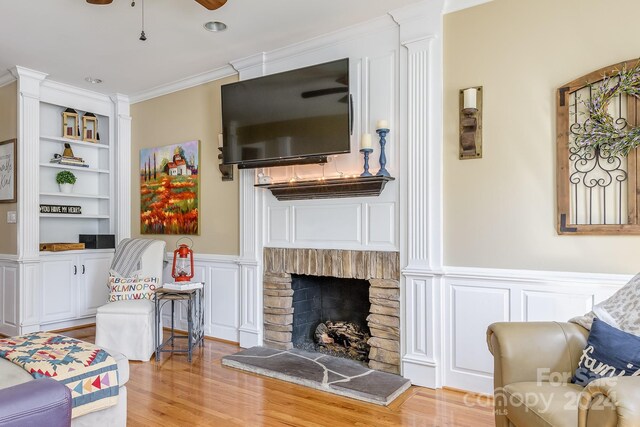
[65,180]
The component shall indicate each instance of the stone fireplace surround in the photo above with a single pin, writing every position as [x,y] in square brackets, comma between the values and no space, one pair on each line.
[382,271]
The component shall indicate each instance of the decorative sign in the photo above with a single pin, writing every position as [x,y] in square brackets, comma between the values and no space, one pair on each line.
[60,209]
[8,171]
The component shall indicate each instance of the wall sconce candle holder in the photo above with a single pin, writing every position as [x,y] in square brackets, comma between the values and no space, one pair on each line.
[471,123]
[225,170]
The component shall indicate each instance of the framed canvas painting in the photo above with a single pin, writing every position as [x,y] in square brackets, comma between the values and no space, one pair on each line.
[8,174]
[169,189]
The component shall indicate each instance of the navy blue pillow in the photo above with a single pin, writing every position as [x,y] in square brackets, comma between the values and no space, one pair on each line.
[610,352]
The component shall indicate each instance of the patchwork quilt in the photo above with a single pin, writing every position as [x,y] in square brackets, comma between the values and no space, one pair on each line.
[90,372]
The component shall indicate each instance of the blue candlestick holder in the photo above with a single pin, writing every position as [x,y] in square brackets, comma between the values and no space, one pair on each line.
[382,133]
[366,152]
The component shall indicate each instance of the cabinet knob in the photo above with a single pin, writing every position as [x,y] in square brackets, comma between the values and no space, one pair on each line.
[82,268]
[75,270]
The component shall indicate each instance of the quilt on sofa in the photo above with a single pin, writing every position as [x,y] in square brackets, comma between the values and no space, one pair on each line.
[87,370]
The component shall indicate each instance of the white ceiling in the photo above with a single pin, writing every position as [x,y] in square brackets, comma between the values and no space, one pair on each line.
[70,39]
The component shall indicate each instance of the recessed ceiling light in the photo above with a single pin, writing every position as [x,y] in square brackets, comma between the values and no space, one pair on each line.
[215,26]
[92,80]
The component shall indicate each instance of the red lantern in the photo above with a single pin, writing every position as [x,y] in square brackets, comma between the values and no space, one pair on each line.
[182,270]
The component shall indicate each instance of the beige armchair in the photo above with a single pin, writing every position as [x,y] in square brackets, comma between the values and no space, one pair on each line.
[533,364]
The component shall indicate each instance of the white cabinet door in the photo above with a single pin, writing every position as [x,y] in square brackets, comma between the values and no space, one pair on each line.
[59,278]
[93,275]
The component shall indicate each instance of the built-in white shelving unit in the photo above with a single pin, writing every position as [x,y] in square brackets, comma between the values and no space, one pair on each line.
[93,190]
[42,290]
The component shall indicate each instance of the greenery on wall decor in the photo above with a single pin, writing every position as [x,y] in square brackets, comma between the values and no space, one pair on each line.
[601,131]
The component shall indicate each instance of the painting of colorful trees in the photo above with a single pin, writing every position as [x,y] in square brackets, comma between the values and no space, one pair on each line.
[169,187]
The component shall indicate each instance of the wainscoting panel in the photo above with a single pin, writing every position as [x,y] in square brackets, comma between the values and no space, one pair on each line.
[543,306]
[472,308]
[318,223]
[9,299]
[278,224]
[381,223]
[225,318]
[475,298]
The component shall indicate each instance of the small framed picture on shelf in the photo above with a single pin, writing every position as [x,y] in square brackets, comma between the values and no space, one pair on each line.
[8,171]
[90,127]
[70,125]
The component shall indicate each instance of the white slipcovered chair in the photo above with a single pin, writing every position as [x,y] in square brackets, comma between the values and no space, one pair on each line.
[129,326]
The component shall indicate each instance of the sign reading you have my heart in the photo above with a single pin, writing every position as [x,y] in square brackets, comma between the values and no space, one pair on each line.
[60,209]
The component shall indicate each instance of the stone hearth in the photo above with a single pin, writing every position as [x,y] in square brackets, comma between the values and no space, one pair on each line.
[382,271]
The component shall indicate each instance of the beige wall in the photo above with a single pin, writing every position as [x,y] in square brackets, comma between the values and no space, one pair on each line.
[500,211]
[191,114]
[8,130]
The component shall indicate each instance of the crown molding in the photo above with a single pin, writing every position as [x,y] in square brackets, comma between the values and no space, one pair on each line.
[255,60]
[6,79]
[451,6]
[84,93]
[20,72]
[186,83]
[336,37]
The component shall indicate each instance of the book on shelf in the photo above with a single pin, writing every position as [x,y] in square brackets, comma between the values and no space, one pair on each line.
[69,161]
[184,286]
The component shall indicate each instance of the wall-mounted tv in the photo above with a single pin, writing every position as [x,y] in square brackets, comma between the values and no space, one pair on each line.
[287,118]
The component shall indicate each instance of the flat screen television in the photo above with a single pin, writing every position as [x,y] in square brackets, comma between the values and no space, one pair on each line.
[292,117]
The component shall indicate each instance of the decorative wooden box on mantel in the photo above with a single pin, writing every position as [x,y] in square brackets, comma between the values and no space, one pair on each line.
[369,186]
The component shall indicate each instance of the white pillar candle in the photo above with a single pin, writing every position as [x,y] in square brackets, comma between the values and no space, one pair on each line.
[382,124]
[470,97]
[220,140]
[365,141]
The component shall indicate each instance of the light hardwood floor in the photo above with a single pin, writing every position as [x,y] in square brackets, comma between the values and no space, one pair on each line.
[204,393]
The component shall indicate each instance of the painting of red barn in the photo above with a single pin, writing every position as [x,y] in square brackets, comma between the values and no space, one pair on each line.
[169,188]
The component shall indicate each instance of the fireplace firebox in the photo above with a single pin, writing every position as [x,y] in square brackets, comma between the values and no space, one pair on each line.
[330,315]
[358,288]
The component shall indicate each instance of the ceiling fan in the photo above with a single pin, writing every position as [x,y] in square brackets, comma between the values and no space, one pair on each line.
[209,4]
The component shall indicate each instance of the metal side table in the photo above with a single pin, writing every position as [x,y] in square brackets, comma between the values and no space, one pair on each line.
[194,299]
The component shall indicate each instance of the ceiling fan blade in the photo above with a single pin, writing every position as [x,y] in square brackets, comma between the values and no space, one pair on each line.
[99,1]
[212,4]
[323,92]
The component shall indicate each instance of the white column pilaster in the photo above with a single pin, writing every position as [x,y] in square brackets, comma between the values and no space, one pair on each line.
[28,220]
[421,189]
[251,240]
[122,180]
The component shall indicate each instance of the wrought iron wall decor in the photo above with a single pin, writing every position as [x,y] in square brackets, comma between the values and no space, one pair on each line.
[597,189]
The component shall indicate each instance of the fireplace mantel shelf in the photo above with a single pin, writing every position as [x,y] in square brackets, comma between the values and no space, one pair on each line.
[369,186]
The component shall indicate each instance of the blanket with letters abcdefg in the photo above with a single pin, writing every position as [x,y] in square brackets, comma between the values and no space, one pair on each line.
[89,371]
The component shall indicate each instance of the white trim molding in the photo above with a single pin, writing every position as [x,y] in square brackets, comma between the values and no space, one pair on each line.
[122,179]
[29,86]
[186,83]
[7,79]
[421,63]
[451,6]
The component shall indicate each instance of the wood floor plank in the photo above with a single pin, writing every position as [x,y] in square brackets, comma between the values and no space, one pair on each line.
[174,392]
